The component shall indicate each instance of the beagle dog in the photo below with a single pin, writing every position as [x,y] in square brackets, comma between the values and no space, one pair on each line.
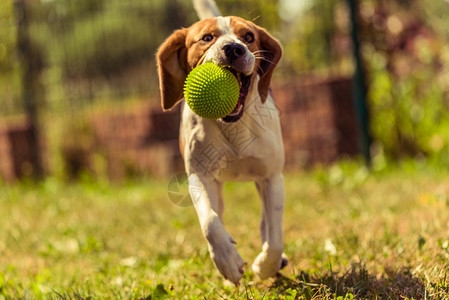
[245,145]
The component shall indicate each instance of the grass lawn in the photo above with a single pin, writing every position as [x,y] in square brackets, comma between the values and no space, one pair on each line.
[348,233]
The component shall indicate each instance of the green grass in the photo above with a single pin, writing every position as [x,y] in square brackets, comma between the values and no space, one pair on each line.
[348,233]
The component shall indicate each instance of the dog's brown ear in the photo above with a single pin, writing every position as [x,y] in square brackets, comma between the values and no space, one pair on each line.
[172,68]
[272,52]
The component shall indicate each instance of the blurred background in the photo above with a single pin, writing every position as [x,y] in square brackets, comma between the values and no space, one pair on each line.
[359,79]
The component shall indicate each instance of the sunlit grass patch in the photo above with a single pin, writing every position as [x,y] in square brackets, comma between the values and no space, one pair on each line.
[349,233]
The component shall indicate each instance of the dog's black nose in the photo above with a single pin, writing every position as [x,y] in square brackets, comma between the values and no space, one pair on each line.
[234,50]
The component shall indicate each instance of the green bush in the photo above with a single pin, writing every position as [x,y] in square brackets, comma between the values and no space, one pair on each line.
[408,88]
[106,45]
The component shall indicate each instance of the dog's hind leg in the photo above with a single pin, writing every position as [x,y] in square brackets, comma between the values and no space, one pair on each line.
[271,259]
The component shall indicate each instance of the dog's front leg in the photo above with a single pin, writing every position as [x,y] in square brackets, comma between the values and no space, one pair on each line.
[206,196]
[271,259]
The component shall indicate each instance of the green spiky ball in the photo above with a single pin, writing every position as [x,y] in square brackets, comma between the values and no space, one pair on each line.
[211,91]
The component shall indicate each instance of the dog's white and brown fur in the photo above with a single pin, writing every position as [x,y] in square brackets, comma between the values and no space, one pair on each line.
[246,145]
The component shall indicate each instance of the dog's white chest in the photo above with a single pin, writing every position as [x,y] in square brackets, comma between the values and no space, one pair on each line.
[245,150]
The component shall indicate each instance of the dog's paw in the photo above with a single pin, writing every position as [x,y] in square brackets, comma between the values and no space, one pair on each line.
[284,261]
[267,265]
[228,260]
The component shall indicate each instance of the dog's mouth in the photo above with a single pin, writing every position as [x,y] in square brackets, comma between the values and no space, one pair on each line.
[244,82]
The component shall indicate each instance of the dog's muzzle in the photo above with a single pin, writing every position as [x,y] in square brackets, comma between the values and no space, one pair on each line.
[235,54]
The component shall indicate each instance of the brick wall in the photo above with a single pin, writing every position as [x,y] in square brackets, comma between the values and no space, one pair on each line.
[6,163]
[318,120]
[141,140]
[16,154]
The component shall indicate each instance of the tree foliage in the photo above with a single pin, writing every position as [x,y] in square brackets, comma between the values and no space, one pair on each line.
[9,65]
[406,53]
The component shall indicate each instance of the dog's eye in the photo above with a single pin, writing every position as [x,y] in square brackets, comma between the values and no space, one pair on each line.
[249,37]
[207,37]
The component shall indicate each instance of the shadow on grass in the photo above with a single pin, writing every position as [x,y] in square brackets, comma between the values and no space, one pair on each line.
[355,283]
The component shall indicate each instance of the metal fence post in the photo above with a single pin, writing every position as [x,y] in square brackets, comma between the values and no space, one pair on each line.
[31,67]
[360,88]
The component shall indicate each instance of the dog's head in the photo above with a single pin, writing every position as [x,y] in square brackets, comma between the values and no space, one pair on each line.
[245,48]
